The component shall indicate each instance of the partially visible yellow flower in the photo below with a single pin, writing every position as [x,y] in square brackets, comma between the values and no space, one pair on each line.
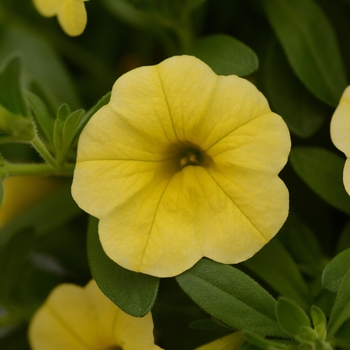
[71,14]
[183,164]
[20,192]
[340,132]
[229,342]
[76,318]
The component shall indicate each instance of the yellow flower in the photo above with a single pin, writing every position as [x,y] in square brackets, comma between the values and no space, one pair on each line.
[231,341]
[84,318]
[182,164]
[71,14]
[20,192]
[340,132]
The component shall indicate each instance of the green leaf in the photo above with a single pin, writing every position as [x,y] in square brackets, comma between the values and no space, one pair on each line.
[40,63]
[263,343]
[309,42]
[341,308]
[284,277]
[57,137]
[66,131]
[71,125]
[209,324]
[303,113]
[225,292]
[291,317]
[63,112]
[146,19]
[12,259]
[133,292]
[335,271]
[322,170]
[226,55]
[303,245]
[40,217]
[319,321]
[42,117]
[11,96]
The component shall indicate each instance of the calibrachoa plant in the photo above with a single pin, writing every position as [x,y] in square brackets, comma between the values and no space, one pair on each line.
[174,174]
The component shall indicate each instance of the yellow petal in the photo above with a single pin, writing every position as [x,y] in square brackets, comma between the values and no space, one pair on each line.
[197,213]
[205,107]
[340,131]
[229,342]
[48,8]
[120,181]
[72,17]
[83,318]
[346,176]
[340,124]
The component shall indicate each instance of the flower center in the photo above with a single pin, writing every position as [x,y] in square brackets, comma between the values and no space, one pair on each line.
[191,157]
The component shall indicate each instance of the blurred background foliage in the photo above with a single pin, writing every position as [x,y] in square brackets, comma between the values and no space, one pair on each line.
[296,52]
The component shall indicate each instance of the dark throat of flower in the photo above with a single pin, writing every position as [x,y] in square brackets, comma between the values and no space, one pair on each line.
[191,155]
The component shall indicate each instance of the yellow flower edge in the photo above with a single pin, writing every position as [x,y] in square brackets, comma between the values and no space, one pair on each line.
[183,164]
[81,318]
[340,131]
[71,14]
[20,192]
[232,341]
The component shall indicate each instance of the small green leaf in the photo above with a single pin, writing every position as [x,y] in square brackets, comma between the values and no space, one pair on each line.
[71,125]
[322,170]
[42,117]
[303,113]
[11,96]
[63,112]
[335,271]
[133,292]
[226,55]
[284,277]
[291,317]
[319,321]
[309,42]
[57,138]
[341,308]
[225,292]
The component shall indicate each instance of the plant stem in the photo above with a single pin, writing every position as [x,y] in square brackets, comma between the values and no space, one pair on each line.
[45,154]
